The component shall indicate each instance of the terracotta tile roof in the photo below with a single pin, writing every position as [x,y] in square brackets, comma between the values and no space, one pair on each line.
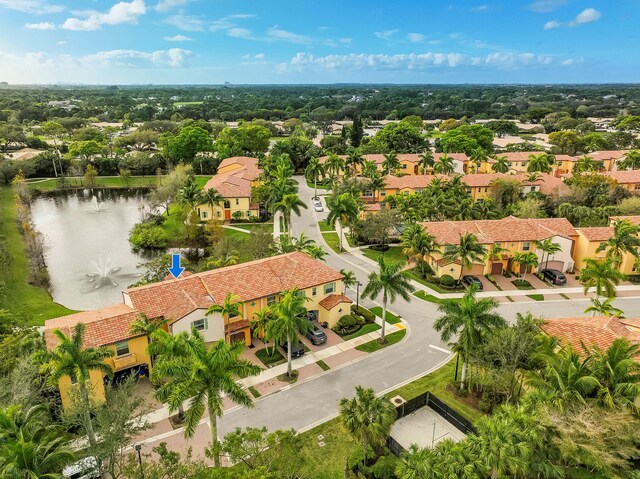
[596,233]
[519,156]
[547,183]
[378,158]
[598,331]
[104,326]
[372,207]
[256,279]
[608,155]
[634,220]
[334,300]
[624,177]
[504,230]
[235,183]
[410,181]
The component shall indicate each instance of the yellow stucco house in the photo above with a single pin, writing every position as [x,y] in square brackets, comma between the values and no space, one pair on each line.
[590,238]
[511,234]
[629,180]
[183,303]
[519,161]
[409,162]
[234,180]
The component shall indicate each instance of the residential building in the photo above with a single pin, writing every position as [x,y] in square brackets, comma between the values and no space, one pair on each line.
[609,158]
[409,162]
[511,234]
[234,180]
[108,327]
[629,180]
[519,160]
[590,331]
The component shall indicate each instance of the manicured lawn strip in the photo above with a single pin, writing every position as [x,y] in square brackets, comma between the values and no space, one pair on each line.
[323,365]
[436,287]
[392,255]
[374,345]
[391,318]
[439,383]
[433,299]
[367,328]
[320,186]
[266,227]
[269,359]
[564,296]
[536,297]
[324,226]
[21,297]
[522,284]
[332,241]
[256,394]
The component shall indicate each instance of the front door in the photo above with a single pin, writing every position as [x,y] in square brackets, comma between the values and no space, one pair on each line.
[238,337]
[227,214]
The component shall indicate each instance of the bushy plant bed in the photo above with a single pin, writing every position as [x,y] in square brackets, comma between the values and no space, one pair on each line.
[432,282]
[364,313]
[348,324]
[285,378]
[391,318]
[270,356]
[522,284]
[362,330]
[380,247]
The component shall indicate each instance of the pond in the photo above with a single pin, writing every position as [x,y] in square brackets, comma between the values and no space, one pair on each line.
[88,254]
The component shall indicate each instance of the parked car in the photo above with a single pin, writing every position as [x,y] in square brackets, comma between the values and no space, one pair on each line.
[469,280]
[297,349]
[555,277]
[316,335]
[88,468]
[318,207]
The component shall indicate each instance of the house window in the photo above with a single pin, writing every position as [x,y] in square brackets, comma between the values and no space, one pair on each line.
[219,214]
[405,192]
[122,348]
[314,291]
[486,189]
[329,288]
[237,201]
[248,214]
[205,215]
[526,246]
[383,193]
[227,204]
[468,190]
[200,324]
[637,187]
[404,167]
[271,299]
[367,193]
[559,163]
[449,248]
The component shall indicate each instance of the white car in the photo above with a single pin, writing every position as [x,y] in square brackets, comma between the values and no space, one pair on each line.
[88,468]
[318,207]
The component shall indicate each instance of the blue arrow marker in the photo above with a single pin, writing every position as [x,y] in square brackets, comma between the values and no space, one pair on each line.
[176,270]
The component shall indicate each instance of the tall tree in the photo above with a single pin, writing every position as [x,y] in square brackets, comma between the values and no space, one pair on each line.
[426,161]
[419,246]
[501,164]
[540,163]
[314,171]
[389,281]
[467,251]
[468,319]
[391,163]
[343,208]
[604,308]
[602,276]
[625,239]
[444,165]
[548,247]
[290,203]
[528,259]
[357,131]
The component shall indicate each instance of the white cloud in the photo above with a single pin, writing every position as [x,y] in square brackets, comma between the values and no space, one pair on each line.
[411,61]
[165,5]
[552,24]
[37,7]
[61,42]
[237,32]
[173,57]
[187,23]
[178,38]
[276,33]
[259,56]
[416,37]
[386,34]
[586,16]
[543,6]
[480,8]
[122,12]
[40,26]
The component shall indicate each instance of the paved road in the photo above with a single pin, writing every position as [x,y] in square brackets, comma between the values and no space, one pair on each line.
[307,404]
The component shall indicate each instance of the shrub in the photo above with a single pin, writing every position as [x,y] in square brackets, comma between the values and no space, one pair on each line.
[447,281]
[144,235]
[385,467]
[364,313]
[348,324]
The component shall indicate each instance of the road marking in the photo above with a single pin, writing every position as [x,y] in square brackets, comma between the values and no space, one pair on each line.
[437,348]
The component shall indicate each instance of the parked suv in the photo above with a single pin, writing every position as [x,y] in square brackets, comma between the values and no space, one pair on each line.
[316,335]
[555,277]
[297,349]
[87,468]
[469,280]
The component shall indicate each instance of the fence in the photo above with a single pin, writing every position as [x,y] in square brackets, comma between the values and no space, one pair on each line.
[427,399]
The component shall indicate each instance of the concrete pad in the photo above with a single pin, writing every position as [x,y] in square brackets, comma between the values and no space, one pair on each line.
[505,283]
[360,340]
[178,443]
[161,427]
[270,386]
[552,297]
[425,428]
[322,354]
[345,357]
[345,346]
[628,294]
[486,284]
[309,371]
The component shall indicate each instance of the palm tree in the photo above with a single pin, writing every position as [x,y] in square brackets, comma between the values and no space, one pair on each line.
[467,251]
[444,165]
[501,165]
[369,169]
[603,276]
[495,253]
[334,165]
[290,203]
[389,281]
[586,163]
[203,376]
[376,183]
[540,163]
[625,239]
[349,279]
[229,259]
[604,308]
[631,160]
[533,177]
[368,418]
[353,160]
[391,163]
[549,248]
[290,318]
[260,321]
[230,307]
[70,358]
[527,259]
[316,252]
[190,194]
[211,197]
[343,209]
[469,319]
[419,246]
[426,161]
[145,326]
[618,373]
[478,155]
[315,171]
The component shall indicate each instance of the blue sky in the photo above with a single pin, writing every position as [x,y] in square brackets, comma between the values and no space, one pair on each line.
[277,41]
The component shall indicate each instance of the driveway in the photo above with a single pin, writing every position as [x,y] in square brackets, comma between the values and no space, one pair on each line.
[486,284]
[504,282]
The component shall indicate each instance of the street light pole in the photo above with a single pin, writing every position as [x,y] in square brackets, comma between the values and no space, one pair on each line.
[139,448]
[358,284]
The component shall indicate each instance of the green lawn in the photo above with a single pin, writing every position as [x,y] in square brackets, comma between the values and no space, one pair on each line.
[522,284]
[265,227]
[324,366]
[367,328]
[393,254]
[536,297]
[391,318]
[436,287]
[22,298]
[320,186]
[332,241]
[374,345]
[104,182]
[270,356]
[324,226]
[174,224]
[432,299]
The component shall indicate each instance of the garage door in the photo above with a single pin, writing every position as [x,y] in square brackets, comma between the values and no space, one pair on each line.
[476,270]
[496,268]
[559,265]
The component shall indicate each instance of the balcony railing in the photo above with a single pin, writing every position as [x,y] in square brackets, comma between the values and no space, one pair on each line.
[124,361]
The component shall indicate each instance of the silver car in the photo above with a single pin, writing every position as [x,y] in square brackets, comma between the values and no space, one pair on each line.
[88,468]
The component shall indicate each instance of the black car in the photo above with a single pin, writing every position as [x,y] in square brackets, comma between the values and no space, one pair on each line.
[316,335]
[555,277]
[469,280]
[297,349]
